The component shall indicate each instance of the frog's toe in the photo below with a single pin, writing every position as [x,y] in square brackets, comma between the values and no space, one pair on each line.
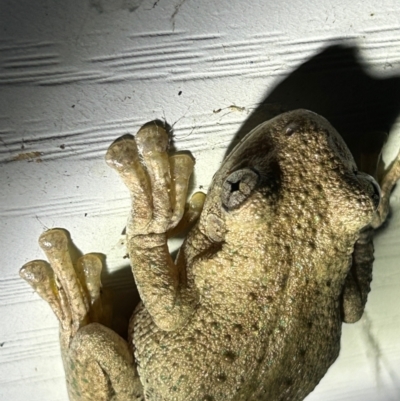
[191,214]
[40,276]
[153,142]
[388,179]
[88,269]
[123,156]
[181,168]
[390,176]
[55,245]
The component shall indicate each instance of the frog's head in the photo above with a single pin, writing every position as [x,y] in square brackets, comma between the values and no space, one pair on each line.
[293,172]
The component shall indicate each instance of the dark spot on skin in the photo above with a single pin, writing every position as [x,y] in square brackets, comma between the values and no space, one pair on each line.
[309,325]
[179,93]
[221,378]
[302,352]
[73,106]
[311,245]
[229,356]
[328,283]
[62,146]
[289,381]
[215,325]
[252,296]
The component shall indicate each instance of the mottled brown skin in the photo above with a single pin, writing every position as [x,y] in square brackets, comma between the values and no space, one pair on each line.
[253,306]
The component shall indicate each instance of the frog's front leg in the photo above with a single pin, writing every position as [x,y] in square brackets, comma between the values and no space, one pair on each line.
[158,186]
[357,285]
[98,363]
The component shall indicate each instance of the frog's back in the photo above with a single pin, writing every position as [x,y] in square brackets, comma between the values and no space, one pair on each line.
[247,347]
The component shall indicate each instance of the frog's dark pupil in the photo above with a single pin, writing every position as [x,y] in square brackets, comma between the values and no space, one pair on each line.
[234,186]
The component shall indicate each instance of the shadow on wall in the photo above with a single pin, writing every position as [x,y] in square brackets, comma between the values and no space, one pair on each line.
[335,85]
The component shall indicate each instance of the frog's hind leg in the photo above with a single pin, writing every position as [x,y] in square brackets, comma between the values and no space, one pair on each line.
[387,179]
[98,363]
[104,365]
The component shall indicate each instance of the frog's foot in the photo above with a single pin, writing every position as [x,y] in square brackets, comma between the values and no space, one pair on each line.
[98,363]
[387,180]
[73,292]
[158,185]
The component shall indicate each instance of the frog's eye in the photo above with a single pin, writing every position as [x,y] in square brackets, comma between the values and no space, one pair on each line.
[237,187]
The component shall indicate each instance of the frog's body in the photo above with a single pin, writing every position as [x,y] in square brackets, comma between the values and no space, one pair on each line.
[252,352]
[252,308]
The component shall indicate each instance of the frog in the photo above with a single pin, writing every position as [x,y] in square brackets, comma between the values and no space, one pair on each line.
[276,257]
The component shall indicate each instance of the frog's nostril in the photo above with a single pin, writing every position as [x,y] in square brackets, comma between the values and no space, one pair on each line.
[291,128]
